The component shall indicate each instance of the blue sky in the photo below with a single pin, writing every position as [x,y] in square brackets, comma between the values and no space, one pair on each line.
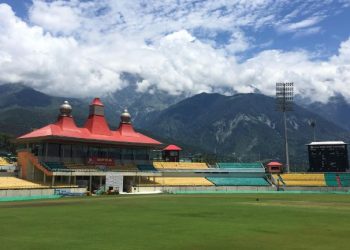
[177,46]
[20,7]
[334,28]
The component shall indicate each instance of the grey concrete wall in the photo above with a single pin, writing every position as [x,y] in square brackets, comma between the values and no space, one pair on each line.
[25,192]
[37,192]
[148,189]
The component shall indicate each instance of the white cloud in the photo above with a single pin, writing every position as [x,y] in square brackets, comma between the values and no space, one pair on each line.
[237,43]
[75,48]
[57,65]
[55,16]
[315,79]
[306,23]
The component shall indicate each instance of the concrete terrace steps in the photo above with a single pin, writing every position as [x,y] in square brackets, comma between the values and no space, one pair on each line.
[17,183]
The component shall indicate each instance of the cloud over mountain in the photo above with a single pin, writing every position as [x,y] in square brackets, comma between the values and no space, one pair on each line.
[75,48]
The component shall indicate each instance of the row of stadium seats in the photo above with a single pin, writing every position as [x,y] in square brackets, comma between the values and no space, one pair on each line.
[313,180]
[4,162]
[295,179]
[300,179]
[54,166]
[218,181]
[332,180]
[179,165]
[337,179]
[146,167]
[16,183]
[182,181]
[239,165]
[210,181]
[64,166]
[80,166]
[75,166]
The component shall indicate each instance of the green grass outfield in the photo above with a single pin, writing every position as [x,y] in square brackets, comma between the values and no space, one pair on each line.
[192,221]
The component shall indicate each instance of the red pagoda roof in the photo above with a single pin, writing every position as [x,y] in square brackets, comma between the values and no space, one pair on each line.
[172,148]
[96,101]
[274,163]
[95,129]
[97,124]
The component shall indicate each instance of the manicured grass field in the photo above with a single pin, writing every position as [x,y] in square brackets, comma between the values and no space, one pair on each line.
[225,221]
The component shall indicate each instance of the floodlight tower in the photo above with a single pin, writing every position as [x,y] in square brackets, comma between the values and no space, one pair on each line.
[312,123]
[284,103]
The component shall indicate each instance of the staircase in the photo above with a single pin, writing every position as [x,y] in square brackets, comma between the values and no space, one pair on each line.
[338,181]
[25,158]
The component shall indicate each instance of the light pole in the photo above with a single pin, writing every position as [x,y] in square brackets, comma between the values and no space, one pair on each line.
[312,123]
[284,103]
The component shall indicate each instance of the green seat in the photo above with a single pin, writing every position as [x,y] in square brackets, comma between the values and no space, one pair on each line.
[331,179]
[345,179]
[219,181]
[54,165]
[240,165]
[146,167]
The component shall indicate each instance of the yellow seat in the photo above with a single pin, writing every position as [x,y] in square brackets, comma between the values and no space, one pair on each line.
[4,162]
[13,182]
[180,165]
[182,181]
[303,179]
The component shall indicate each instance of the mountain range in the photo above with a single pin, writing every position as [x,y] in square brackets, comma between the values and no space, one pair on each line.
[23,108]
[242,127]
[245,127]
[336,110]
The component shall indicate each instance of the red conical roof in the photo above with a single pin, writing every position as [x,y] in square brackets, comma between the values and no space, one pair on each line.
[274,163]
[172,147]
[95,129]
[96,101]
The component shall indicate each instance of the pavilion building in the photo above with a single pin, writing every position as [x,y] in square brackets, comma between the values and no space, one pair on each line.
[50,153]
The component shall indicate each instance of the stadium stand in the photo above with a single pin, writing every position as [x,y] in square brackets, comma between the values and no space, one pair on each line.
[345,179]
[241,181]
[337,179]
[71,166]
[221,181]
[54,166]
[125,167]
[180,165]
[301,179]
[331,179]
[182,181]
[277,180]
[146,167]
[16,183]
[80,167]
[239,165]
[4,162]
